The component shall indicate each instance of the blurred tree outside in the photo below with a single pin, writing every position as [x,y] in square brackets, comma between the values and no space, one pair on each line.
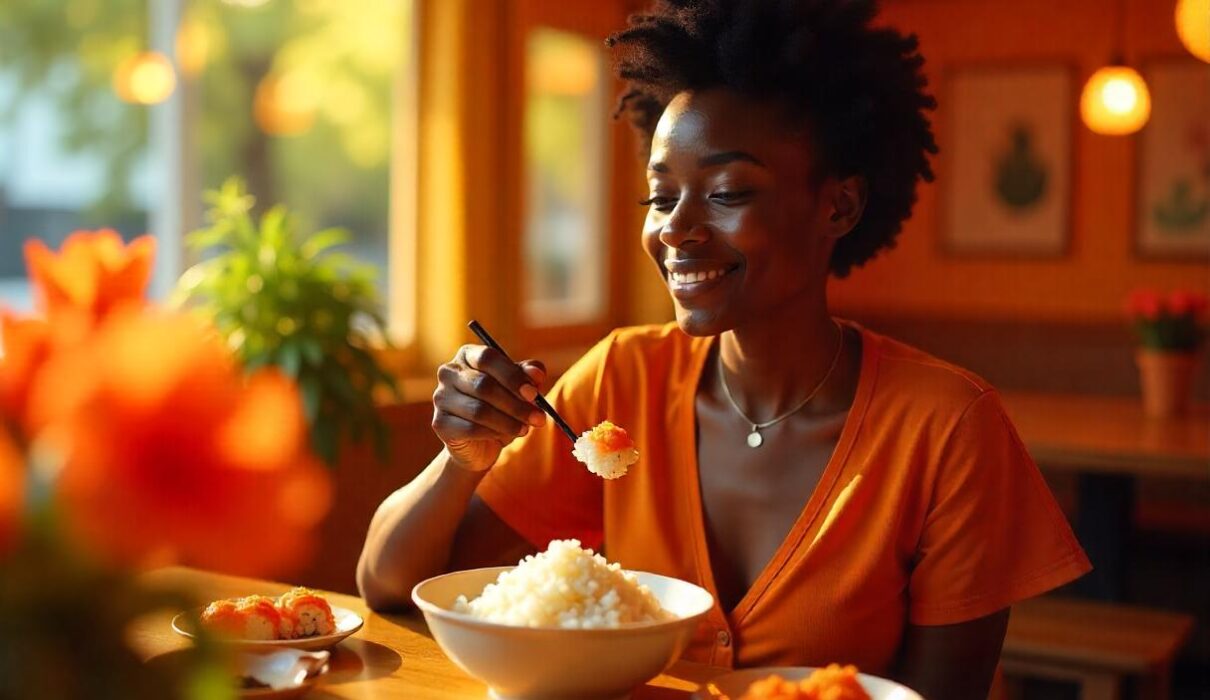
[293,95]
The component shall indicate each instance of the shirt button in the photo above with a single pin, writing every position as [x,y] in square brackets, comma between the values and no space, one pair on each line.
[724,638]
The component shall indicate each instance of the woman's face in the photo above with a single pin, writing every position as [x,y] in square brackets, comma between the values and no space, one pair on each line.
[736,225]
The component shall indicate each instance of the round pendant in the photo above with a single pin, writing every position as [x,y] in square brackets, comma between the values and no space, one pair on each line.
[754,439]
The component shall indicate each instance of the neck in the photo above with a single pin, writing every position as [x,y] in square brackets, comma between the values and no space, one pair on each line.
[773,362]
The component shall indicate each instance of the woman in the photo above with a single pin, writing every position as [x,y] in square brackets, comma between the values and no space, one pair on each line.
[844,496]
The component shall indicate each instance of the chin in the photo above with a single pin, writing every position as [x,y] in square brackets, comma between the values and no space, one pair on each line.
[702,322]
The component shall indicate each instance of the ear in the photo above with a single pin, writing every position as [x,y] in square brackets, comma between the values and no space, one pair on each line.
[846,197]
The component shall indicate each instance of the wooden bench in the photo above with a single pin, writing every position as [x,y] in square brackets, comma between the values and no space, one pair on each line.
[1096,645]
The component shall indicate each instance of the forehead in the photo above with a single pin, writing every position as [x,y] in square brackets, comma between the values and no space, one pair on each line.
[698,123]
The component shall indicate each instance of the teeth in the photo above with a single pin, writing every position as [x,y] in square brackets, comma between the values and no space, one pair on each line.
[691,277]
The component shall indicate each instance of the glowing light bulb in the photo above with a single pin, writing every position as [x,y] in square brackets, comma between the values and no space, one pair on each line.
[1193,26]
[1119,96]
[1115,101]
[146,78]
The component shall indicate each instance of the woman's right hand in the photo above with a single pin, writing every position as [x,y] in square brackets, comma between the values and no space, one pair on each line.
[483,402]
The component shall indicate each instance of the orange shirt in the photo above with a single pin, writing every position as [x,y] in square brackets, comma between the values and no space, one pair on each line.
[929,511]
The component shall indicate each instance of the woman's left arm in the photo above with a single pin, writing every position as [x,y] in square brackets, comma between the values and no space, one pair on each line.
[952,662]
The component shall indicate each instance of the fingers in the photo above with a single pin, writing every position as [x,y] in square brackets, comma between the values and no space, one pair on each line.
[493,408]
[481,387]
[482,396]
[508,374]
[454,429]
[536,371]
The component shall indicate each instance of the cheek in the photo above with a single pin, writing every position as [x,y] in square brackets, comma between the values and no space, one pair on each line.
[774,241]
[651,240]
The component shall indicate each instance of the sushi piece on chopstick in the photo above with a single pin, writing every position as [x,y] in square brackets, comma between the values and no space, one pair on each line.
[309,611]
[254,617]
[606,450]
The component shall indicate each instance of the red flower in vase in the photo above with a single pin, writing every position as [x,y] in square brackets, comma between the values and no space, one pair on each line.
[1145,303]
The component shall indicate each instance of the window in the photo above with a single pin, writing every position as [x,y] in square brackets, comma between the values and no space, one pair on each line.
[72,154]
[570,180]
[296,98]
[567,179]
[301,99]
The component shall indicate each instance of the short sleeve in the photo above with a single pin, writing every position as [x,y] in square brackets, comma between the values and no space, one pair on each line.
[536,486]
[993,534]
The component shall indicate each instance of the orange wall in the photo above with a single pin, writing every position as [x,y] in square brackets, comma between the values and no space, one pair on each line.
[1089,282]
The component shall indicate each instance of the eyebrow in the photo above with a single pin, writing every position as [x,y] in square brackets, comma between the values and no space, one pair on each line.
[714,160]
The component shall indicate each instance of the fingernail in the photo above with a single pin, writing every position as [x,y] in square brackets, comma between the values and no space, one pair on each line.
[529,392]
[524,431]
[537,419]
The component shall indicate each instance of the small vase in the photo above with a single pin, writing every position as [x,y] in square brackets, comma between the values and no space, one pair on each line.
[1167,381]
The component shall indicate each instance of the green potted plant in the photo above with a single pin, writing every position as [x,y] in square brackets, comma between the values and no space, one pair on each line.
[286,299]
[1170,331]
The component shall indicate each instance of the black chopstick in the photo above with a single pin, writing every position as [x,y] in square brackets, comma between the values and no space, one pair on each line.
[540,401]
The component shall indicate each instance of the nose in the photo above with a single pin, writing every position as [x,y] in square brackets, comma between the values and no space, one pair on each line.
[684,226]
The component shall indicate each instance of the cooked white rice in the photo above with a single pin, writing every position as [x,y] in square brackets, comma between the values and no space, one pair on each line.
[568,587]
[607,465]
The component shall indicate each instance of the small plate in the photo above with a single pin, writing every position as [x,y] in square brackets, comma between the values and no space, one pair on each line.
[347,622]
[733,685]
[258,663]
[179,661]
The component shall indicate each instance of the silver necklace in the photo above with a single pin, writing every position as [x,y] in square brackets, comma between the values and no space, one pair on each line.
[755,439]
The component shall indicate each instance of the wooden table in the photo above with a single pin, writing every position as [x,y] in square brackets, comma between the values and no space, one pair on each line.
[1110,435]
[1109,443]
[392,656]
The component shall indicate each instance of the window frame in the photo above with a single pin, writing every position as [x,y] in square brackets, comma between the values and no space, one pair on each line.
[618,191]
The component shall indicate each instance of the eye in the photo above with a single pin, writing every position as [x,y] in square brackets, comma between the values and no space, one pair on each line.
[731,197]
[659,203]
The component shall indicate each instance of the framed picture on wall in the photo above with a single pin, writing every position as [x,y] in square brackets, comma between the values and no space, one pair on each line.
[1173,206]
[1006,147]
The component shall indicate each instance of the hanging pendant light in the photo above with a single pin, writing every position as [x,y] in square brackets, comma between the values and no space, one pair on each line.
[1115,101]
[1193,26]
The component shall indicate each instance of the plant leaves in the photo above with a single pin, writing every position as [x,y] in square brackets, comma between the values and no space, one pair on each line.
[323,439]
[324,240]
[289,358]
[288,300]
[311,388]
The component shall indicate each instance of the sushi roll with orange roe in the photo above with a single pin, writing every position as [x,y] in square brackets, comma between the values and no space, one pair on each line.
[606,450]
[832,683]
[254,617]
[309,611]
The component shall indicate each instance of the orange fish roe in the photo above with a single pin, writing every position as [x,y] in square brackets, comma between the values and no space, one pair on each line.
[835,682]
[253,617]
[222,616]
[611,438]
[298,613]
[309,611]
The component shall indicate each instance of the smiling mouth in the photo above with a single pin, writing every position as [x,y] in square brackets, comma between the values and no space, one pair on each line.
[690,277]
[691,284]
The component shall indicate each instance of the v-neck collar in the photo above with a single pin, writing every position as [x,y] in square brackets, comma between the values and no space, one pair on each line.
[687,435]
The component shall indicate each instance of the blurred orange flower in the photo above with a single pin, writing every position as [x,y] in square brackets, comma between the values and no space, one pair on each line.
[12,489]
[94,272]
[170,456]
[26,345]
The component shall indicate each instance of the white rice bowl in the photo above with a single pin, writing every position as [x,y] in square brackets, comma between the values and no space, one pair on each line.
[607,465]
[566,587]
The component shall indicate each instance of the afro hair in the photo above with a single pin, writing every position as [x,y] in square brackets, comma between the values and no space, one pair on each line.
[858,90]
